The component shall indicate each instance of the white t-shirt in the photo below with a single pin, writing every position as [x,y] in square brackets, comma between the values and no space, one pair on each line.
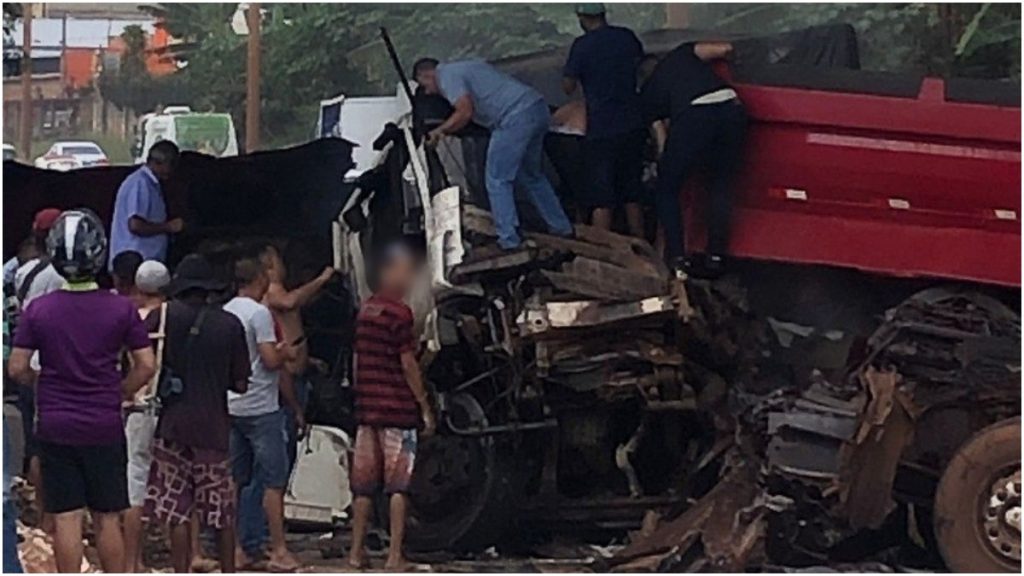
[261,398]
[46,281]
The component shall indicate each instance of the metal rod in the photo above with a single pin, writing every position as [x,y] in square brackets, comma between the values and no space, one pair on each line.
[25,121]
[500,429]
[252,81]
[393,54]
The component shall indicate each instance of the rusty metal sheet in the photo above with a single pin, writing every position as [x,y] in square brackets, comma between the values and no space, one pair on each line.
[728,521]
[807,455]
[832,426]
[868,466]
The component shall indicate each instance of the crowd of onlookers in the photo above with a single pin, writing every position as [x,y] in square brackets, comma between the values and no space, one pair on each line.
[155,399]
[178,397]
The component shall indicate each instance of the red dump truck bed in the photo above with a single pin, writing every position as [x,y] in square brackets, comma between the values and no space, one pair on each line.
[910,185]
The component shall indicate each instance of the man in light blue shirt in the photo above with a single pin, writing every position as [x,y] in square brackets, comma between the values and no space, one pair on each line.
[518,119]
[140,214]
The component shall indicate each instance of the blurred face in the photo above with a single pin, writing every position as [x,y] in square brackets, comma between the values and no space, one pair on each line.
[588,23]
[399,276]
[260,285]
[274,264]
[428,80]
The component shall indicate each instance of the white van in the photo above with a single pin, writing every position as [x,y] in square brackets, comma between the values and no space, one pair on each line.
[206,133]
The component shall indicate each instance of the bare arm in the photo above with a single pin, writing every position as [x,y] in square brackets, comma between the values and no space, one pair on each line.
[273,355]
[708,51]
[19,366]
[286,300]
[414,378]
[462,115]
[569,84]
[660,131]
[142,370]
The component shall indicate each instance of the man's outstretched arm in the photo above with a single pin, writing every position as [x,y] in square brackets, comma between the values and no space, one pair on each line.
[287,300]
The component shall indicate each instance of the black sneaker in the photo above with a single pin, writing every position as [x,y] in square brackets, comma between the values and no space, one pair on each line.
[705,266]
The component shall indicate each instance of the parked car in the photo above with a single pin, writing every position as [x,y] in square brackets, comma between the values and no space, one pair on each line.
[10,153]
[84,152]
[59,163]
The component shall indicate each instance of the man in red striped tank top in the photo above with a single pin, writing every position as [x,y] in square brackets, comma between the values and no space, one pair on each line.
[391,404]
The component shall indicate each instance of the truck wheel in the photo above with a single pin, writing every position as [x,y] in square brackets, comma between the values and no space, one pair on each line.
[977,504]
[457,496]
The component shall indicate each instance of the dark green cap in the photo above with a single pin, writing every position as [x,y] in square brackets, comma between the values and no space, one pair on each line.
[590,9]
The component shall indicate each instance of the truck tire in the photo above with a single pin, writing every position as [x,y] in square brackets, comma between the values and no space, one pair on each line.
[458,497]
[977,504]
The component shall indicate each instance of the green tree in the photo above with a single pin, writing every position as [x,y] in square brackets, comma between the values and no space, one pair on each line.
[129,85]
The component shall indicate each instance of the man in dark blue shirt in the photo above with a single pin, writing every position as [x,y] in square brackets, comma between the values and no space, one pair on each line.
[604,61]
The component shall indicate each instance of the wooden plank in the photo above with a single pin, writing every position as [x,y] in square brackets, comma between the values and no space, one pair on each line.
[626,283]
[579,286]
[616,256]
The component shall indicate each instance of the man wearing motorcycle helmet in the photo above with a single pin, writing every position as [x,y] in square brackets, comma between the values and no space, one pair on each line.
[79,332]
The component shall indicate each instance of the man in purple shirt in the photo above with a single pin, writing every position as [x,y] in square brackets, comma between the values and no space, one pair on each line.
[79,332]
[140,214]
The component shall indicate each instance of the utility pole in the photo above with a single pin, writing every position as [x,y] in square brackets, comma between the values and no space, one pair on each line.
[25,120]
[252,80]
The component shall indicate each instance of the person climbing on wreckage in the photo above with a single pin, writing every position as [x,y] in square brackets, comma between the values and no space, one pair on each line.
[699,123]
[518,119]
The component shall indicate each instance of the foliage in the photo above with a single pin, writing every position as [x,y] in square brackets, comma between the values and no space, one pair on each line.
[129,85]
[918,37]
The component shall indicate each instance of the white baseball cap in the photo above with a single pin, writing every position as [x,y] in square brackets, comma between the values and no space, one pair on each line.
[152,277]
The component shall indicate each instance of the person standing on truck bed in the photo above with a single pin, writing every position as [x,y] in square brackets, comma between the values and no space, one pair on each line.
[604,61]
[140,212]
[706,129]
[518,119]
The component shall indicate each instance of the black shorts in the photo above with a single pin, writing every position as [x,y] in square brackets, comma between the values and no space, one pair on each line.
[93,477]
[614,166]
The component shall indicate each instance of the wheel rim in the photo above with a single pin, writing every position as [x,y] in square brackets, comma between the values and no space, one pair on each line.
[451,482]
[999,515]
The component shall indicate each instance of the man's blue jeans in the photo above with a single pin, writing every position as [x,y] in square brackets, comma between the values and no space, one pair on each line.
[12,565]
[515,158]
[252,522]
[259,459]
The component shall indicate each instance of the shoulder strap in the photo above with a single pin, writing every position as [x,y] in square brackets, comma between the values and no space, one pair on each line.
[160,335]
[161,332]
[196,328]
[30,277]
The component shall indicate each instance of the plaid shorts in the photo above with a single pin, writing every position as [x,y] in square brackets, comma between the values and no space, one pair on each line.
[182,477]
[383,456]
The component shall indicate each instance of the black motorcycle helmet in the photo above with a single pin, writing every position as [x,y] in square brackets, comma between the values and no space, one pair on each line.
[77,245]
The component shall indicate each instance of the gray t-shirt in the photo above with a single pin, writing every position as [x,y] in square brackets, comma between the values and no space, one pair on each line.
[495,94]
[261,398]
